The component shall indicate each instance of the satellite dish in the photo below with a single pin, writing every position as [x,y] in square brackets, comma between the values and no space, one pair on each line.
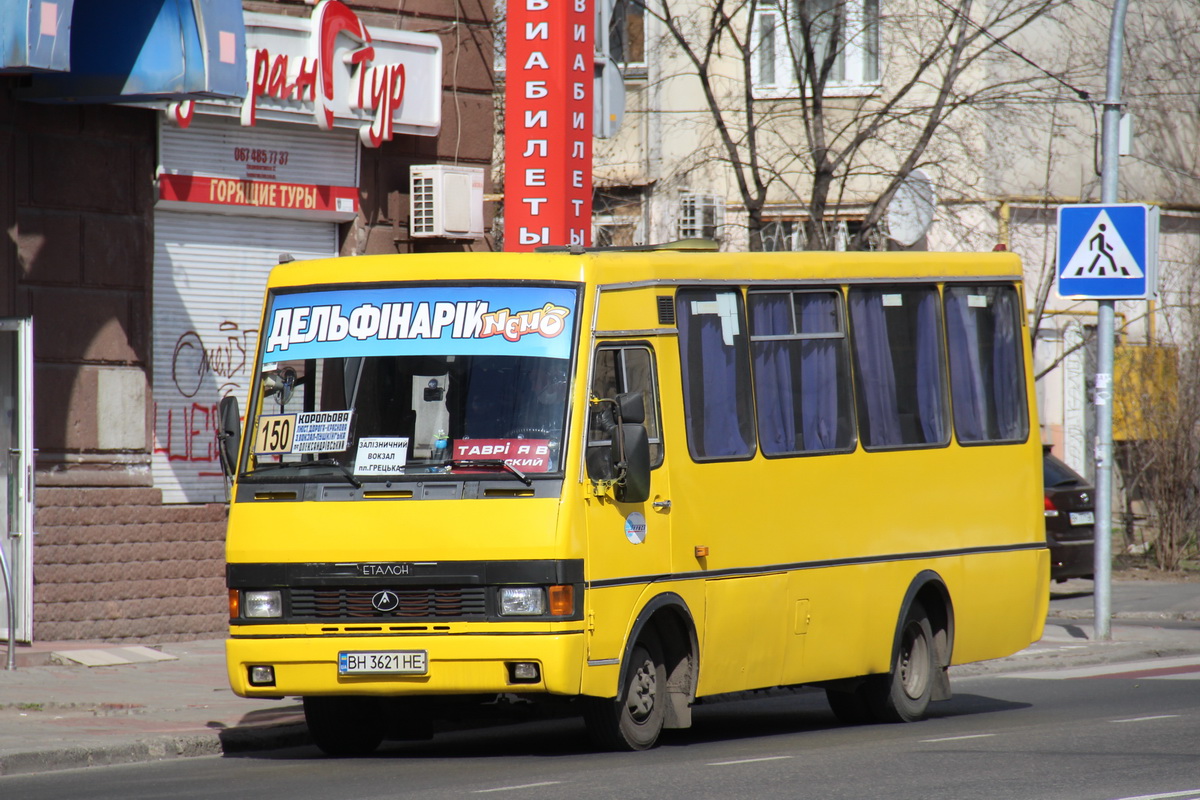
[608,98]
[910,213]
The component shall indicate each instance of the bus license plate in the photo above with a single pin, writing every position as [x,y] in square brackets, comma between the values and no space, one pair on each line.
[1083,518]
[383,662]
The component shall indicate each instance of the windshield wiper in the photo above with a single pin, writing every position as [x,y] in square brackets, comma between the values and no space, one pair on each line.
[495,463]
[320,462]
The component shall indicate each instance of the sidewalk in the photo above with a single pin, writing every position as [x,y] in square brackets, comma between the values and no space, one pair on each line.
[146,704]
[56,713]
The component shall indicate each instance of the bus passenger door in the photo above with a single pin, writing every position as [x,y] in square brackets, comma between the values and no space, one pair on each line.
[628,543]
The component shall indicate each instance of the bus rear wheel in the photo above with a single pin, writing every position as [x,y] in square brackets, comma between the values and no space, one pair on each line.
[634,719]
[345,726]
[903,694]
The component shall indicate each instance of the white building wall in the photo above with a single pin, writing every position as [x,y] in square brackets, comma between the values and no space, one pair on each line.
[1000,170]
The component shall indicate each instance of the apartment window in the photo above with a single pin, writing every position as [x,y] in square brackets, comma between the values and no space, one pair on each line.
[845,30]
[701,216]
[617,216]
[627,33]
[499,35]
[608,232]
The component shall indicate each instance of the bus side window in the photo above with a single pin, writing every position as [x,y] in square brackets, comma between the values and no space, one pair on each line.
[618,370]
[899,366]
[715,363]
[801,371]
[987,374]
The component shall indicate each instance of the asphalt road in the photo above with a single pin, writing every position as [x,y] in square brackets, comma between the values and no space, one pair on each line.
[1101,733]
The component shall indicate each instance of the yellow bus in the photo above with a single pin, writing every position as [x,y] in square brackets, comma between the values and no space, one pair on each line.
[631,480]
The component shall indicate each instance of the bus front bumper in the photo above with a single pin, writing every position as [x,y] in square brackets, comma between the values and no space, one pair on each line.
[462,664]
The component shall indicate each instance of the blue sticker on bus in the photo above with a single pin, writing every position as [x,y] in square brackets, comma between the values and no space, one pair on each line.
[421,320]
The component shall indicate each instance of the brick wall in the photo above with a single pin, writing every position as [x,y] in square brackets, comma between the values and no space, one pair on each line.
[115,565]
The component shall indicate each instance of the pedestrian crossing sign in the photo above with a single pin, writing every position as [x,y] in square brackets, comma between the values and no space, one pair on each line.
[1107,252]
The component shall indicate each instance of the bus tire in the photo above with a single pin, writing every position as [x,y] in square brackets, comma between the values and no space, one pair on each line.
[634,719]
[345,726]
[903,694]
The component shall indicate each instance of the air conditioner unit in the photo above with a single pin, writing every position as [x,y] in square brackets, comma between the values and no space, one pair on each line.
[446,201]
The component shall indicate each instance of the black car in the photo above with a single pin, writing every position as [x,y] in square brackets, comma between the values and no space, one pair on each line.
[1070,520]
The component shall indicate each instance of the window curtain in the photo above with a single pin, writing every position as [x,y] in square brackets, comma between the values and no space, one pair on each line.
[771,315]
[711,377]
[819,372]
[966,373]
[1007,368]
[931,394]
[876,372]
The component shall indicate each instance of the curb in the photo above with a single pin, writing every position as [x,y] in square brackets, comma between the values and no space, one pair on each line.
[1132,616]
[264,737]
[164,748]
[141,751]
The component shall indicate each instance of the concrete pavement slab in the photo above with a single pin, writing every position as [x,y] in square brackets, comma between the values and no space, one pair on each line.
[109,656]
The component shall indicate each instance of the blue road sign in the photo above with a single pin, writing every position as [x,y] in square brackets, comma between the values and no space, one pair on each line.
[1105,252]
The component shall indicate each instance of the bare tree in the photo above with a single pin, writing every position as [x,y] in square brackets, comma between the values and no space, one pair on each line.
[1157,415]
[928,65]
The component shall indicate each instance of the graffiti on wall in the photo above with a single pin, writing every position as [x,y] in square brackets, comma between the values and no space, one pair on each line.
[205,366]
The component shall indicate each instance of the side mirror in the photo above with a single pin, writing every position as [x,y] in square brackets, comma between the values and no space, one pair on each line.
[229,434]
[631,455]
[631,408]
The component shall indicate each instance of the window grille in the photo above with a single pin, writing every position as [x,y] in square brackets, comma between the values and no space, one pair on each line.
[701,216]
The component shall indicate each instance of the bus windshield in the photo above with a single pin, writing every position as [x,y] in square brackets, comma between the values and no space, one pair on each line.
[419,382]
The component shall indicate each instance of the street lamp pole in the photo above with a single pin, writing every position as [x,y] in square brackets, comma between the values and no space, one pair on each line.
[1109,190]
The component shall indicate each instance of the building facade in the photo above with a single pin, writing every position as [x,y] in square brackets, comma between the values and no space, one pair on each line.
[154,168]
[829,124]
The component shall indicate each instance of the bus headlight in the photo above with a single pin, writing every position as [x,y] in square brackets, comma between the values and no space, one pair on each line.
[526,601]
[262,604]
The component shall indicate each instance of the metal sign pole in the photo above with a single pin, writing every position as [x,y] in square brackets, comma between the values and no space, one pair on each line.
[10,596]
[1109,189]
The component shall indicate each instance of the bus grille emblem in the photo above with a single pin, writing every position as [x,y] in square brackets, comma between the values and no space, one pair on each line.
[385,601]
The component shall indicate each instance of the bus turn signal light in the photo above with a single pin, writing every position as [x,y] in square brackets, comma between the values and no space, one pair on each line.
[562,600]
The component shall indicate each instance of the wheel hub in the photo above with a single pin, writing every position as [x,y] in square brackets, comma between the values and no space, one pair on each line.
[642,691]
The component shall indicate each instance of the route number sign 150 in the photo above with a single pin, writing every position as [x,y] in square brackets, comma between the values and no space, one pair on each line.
[274,433]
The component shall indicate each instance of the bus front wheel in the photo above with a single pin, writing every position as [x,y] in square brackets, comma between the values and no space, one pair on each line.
[634,719]
[903,694]
[345,726]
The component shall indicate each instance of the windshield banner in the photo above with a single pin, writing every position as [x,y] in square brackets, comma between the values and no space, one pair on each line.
[424,320]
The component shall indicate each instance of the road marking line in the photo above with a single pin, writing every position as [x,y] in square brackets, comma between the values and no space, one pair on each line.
[748,761]
[958,738]
[1166,796]
[1147,719]
[514,788]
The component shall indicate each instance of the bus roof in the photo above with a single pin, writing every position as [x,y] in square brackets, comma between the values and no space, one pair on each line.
[624,267]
